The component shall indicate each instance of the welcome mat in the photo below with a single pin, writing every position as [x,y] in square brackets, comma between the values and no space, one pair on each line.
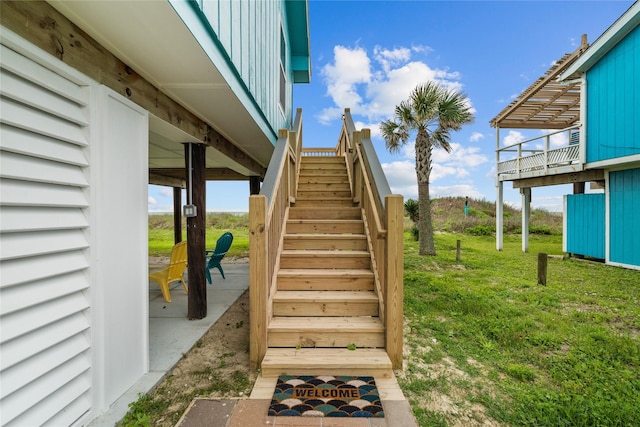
[326,396]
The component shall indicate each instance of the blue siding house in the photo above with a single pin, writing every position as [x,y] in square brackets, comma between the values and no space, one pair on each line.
[590,99]
[610,69]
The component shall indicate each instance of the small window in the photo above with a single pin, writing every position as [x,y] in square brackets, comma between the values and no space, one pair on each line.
[283,79]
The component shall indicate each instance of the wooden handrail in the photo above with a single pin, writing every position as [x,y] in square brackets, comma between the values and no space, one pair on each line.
[267,218]
[383,213]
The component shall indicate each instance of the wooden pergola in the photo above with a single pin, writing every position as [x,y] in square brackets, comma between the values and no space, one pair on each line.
[546,104]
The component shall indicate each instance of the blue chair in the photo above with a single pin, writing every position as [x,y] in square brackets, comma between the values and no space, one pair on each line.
[213,258]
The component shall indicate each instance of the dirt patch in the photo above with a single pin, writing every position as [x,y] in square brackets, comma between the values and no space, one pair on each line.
[217,366]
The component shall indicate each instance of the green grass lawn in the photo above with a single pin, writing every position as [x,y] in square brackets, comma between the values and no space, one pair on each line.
[484,341]
[161,233]
[483,332]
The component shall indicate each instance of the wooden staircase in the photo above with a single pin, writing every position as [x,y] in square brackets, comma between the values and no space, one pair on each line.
[325,300]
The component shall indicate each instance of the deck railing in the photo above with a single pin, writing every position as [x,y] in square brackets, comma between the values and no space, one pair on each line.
[267,217]
[538,162]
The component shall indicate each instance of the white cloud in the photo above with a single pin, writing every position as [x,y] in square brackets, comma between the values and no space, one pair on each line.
[373,85]
[513,137]
[476,136]
[166,192]
[151,201]
[388,58]
[350,68]
[460,156]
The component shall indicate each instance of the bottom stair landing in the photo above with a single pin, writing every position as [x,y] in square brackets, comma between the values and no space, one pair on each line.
[326,361]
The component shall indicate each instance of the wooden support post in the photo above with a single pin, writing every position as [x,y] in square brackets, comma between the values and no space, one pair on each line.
[542,268]
[254,185]
[458,250]
[394,283]
[526,214]
[500,216]
[196,229]
[258,283]
[177,215]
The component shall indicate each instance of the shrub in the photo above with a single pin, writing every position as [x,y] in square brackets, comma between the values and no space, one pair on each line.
[415,232]
[480,230]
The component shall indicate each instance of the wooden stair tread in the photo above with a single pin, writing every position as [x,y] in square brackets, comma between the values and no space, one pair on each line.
[324,324]
[326,361]
[322,296]
[324,236]
[311,253]
[329,273]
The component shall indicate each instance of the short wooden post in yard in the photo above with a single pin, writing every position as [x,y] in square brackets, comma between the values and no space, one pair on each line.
[458,250]
[542,268]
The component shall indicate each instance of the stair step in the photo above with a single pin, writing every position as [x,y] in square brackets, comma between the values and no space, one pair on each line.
[332,226]
[306,202]
[342,172]
[323,194]
[325,280]
[325,241]
[309,178]
[325,332]
[325,213]
[325,303]
[326,361]
[325,259]
[325,186]
[322,159]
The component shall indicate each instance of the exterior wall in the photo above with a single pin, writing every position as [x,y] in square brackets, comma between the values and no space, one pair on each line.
[73,226]
[585,225]
[613,102]
[247,36]
[624,209]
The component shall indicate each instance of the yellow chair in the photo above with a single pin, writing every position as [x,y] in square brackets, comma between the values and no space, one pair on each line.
[173,272]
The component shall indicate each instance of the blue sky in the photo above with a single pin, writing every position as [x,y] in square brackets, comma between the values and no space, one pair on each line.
[368,55]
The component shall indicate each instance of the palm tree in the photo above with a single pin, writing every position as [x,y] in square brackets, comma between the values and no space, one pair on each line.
[433,111]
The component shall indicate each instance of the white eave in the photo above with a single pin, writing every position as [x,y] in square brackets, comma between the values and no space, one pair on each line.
[616,32]
[151,38]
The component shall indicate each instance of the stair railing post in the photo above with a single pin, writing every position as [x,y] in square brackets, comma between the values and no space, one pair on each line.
[394,283]
[258,283]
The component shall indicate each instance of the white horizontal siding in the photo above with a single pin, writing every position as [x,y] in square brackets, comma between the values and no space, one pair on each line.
[16,219]
[13,352]
[43,77]
[16,298]
[25,193]
[41,122]
[30,401]
[28,168]
[25,270]
[20,141]
[45,343]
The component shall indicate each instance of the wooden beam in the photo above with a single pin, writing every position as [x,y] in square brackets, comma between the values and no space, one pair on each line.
[567,178]
[158,179]
[177,215]
[45,27]
[211,174]
[196,228]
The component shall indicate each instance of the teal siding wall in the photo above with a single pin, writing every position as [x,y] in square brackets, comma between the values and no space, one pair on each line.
[613,102]
[586,225]
[248,33]
[624,214]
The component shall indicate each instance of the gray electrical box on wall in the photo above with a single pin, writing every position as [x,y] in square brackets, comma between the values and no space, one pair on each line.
[190,211]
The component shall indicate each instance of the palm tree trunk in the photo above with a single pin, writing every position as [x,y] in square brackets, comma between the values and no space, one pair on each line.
[426,244]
